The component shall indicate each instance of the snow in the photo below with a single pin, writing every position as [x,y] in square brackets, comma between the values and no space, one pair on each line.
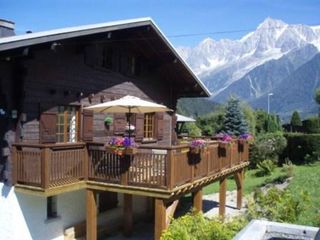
[272,39]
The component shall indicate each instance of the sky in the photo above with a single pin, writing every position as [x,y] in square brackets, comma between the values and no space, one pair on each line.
[185,22]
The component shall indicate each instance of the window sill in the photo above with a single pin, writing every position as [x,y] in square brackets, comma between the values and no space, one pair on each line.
[145,141]
[52,219]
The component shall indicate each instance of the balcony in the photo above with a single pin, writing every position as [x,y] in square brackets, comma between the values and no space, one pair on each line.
[153,171]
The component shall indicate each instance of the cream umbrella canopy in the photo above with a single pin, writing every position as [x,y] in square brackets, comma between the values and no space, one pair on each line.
[128,104]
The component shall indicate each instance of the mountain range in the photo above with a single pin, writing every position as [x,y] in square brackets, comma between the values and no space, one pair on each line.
[277,58]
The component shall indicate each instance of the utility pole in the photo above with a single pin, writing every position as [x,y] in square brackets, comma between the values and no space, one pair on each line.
[269,94]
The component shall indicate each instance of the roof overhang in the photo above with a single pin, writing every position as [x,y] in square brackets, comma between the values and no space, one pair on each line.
[30,39]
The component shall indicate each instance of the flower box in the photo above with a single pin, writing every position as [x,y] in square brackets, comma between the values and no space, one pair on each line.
[121,151]
[195,150]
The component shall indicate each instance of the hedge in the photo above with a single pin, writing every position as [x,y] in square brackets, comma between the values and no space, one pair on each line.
[299,145]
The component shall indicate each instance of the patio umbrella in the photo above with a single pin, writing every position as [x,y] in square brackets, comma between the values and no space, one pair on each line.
[128,104]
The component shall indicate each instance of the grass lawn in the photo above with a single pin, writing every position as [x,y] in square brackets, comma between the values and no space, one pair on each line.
[305,178]
[251,182]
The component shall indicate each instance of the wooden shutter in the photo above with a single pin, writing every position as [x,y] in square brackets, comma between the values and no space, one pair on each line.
[87,125]
[139,131]
[119,123]
[48,121]
[159,125]
[174,126]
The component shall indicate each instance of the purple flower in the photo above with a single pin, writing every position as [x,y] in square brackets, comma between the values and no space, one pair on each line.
[245,136]
[224,137]
[198,143]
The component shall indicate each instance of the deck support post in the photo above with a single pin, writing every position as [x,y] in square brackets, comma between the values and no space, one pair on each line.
[160,218]
[91,221]
[127,215]
[197,200]
[222,196]
[238,176]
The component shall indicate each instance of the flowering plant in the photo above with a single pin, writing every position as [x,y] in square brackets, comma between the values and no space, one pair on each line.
[120,144]
[198,143]
[246,137]
[224,137]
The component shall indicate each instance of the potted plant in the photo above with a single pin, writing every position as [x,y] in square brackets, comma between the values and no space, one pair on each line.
[224,139]
[107,122]
[122,146]
[196,145]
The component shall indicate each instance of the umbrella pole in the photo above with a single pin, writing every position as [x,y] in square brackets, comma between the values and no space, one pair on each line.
[129,124]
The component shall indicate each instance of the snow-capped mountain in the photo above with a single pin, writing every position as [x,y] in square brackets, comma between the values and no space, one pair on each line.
[221,63]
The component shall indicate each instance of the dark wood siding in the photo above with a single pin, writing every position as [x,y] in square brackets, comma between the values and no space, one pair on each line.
[63,78]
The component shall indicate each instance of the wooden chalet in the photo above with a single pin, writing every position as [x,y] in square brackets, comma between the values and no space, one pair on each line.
[51,145]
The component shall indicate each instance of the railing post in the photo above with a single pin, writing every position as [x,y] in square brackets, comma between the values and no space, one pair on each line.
[45,161]
[124,168]
[170,173]
[14,166]
[86,162]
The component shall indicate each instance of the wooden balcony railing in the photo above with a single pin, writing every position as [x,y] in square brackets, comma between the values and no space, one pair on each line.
[50,165]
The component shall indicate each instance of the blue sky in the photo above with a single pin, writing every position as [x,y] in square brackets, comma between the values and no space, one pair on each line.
[174,17]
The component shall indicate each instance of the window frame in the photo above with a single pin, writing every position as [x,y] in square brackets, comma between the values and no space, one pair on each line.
[65,124]
[149,134]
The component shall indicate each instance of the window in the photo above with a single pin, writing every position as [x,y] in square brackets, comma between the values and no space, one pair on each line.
[67,127]
[148,132]
[52,207]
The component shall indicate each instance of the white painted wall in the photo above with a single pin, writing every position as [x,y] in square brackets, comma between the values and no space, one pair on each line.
[23,216]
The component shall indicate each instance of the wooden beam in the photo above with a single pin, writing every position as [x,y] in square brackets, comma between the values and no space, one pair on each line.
[91,220]
[238,176]
[222,196]
[127,215]
[170,211]
[160,218]
[45,166]
[197,200]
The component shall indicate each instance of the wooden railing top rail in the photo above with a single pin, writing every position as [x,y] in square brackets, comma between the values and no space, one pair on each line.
[82,144]
[51,145]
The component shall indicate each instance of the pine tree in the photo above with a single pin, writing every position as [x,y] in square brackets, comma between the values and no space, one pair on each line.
[317,98]
[295,121]
[234,123]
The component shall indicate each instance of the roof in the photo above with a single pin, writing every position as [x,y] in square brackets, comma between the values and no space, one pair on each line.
[25,40]
[181,118]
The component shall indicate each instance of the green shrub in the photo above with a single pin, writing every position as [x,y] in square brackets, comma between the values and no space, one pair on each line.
[265,168]
[277,205]
[197,227]
[311,125]
[302,148]
[267,146]
[287,168]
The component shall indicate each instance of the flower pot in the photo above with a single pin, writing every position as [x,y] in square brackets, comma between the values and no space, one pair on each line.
[130,151]
[195,150]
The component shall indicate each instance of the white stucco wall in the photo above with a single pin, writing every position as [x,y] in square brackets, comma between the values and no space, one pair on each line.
[23,216]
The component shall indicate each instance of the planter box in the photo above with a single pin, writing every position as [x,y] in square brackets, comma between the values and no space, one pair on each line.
[125,151]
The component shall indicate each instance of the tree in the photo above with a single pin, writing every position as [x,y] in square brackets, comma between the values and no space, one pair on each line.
[317,97]
[234,123]
[250,117]
[295,121]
